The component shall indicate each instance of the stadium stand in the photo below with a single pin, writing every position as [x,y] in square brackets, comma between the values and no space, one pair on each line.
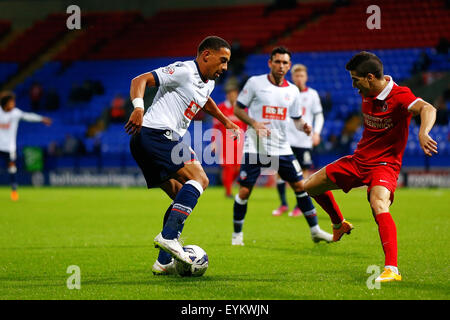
[246,24]
[7,69]
[100,27]
[115,47]
[404,24]
[35,39]
[5,27]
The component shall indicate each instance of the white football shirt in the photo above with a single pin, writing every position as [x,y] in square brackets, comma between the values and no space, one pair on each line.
[9,123]
[181,94]
[270,103]
[310,106]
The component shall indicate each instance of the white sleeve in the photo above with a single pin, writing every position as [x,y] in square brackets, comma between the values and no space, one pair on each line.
[295,110]
[172,75]
[318,122]
[247,93]
[317,107]
[30,117]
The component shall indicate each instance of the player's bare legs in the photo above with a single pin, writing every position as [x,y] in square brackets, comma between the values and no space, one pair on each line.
[192,171]
[319,183]
[319,187]
[380,202]
[171,187]
[244,192]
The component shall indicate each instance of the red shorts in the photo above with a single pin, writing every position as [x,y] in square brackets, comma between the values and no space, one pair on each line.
[347,173]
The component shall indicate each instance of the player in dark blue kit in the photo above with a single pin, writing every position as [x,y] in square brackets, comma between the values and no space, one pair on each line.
[166,162]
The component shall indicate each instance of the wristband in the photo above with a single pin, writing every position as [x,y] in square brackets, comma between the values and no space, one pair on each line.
[138,103]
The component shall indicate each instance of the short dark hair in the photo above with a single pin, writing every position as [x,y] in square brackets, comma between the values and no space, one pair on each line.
[364,63]
[214,43]
[280,50]
[5,97]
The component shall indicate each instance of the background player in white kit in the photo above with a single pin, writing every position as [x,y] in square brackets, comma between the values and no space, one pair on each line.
[301,143]
[271,101]
[166,162]
[10,117]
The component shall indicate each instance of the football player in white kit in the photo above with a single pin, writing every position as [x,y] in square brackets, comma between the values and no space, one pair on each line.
[271,100]
[301,143]
[166,162]
[9,123]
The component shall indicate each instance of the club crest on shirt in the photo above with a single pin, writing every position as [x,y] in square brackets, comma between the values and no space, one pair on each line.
[384,107]
[168,70]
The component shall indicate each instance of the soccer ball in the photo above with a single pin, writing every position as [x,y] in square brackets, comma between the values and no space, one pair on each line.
[199,265]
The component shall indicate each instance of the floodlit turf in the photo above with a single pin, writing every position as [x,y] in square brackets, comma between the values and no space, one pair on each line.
[108,233]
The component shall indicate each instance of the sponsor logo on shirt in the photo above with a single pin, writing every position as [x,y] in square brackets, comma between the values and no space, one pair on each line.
[274,113]
[192,110]
[5,126]
[377,123]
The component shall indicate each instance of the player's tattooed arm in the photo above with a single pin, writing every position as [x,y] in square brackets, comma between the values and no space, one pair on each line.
[211,108]
[301,125]
[260,127]
[137,90]
[427,115]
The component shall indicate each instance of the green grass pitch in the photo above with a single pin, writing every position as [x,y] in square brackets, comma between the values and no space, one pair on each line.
[108,233]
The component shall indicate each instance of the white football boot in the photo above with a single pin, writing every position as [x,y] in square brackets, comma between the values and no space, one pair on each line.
[159,269]
[320,235]
[237,239]
[173,247]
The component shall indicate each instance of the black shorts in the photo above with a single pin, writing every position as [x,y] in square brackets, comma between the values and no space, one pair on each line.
[7,157]
[287,166]
[303,156]
[159,154]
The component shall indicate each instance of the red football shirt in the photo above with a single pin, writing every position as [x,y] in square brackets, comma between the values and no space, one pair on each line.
[230,150]
[386,122]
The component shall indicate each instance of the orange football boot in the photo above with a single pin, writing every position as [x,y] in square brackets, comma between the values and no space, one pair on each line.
[14,195]
[345,227]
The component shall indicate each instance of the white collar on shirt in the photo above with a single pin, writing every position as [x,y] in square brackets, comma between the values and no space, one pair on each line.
[383,94]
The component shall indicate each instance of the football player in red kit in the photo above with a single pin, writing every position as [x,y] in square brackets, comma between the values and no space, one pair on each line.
[387,110]
[230,151]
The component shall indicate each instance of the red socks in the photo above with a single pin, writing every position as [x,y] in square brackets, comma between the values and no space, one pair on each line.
[229,174]
[386,226]
[388,236]
[327,202]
